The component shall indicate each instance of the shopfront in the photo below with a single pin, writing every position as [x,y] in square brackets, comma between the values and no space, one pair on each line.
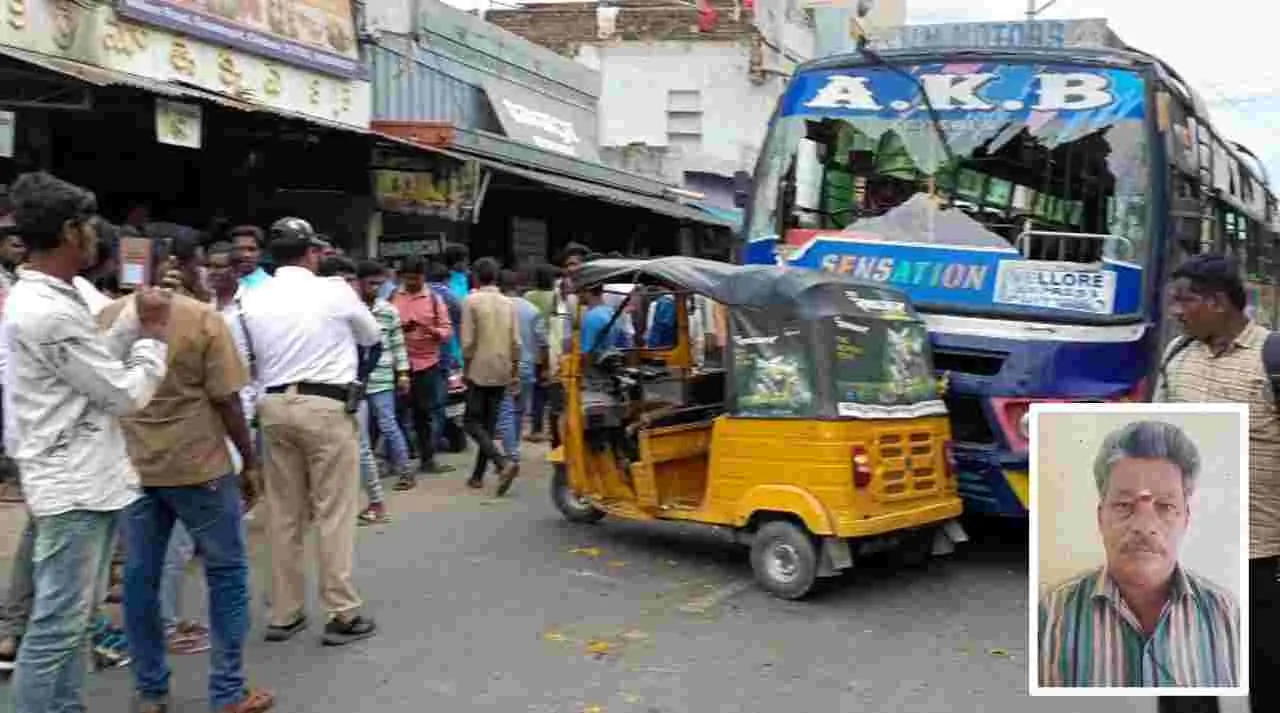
[467,93]
[184,112]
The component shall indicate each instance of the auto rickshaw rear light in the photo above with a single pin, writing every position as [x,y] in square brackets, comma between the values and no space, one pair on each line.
[861,467]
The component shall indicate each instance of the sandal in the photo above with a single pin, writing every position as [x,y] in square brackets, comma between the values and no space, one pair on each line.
[405,484]
[374,516]
[255,700]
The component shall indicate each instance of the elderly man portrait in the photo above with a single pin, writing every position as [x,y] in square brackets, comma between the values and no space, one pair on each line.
[1142,619]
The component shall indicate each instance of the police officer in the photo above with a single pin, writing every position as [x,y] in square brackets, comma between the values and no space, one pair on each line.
[302,332]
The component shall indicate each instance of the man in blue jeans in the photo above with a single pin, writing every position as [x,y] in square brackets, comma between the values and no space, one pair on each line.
[73,381]
[178,443]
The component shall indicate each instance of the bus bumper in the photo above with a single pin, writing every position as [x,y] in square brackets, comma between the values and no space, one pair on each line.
[992,483]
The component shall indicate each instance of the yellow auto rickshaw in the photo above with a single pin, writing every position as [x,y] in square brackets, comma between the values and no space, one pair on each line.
[821,438]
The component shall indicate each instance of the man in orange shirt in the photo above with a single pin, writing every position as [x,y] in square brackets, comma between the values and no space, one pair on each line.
[427,330]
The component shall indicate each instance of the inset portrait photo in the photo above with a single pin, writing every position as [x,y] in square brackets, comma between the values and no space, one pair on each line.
[1139,549]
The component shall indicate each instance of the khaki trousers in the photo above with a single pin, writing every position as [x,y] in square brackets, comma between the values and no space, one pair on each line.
[310,473]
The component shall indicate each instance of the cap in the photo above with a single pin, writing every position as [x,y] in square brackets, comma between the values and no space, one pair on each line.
[295,229]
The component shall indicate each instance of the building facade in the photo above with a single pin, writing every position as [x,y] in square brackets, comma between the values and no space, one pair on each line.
[508,155]
[686,95]
[152,106]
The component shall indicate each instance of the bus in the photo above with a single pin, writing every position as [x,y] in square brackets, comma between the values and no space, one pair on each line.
[1031,201]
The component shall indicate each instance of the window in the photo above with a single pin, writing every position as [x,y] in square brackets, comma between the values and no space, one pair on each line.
[684,119]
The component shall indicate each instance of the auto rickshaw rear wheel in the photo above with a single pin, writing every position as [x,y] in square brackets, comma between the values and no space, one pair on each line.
[784,559]
[570,504]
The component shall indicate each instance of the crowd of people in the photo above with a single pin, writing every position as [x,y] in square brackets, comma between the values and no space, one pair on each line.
[147,424]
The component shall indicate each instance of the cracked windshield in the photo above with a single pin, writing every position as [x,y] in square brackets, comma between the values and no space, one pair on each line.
[1025,162]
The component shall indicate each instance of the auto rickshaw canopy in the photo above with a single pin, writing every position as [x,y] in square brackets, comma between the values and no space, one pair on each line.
[802,343]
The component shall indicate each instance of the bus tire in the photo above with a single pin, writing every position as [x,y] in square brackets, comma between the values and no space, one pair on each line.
[570,505]
[784,559]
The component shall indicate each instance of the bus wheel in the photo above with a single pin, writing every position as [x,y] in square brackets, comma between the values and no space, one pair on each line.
[784,559]
[573,507]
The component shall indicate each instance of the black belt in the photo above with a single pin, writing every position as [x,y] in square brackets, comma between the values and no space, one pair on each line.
[308,388]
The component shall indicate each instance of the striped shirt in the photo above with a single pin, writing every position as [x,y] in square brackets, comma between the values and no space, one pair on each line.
[394,358]
[1090,637]
[1197,375]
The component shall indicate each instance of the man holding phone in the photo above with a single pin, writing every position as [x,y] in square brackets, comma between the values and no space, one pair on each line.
[427,330]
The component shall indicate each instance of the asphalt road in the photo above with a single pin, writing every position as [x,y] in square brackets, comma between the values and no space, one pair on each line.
[499,605]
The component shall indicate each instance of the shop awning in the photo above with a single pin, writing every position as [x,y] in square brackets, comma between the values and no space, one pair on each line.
[101,77]
[537,120]
[572,186]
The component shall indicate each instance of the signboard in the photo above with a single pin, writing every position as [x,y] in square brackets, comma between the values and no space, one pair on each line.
[316,34]
[444,193]
[1074,288]
[1039,33]
[95,35]
[970,278]
[543,121]
[432,244]
[179,124]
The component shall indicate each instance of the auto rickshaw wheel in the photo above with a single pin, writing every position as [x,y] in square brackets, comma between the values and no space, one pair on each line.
[573,507]
[784,559]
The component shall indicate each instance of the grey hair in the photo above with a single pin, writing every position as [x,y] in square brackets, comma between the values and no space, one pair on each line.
[1148,439]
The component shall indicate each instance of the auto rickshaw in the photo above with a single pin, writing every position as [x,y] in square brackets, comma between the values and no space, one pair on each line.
[822,437]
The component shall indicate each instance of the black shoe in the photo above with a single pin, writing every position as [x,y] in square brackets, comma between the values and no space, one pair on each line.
[284,633]
[338,632]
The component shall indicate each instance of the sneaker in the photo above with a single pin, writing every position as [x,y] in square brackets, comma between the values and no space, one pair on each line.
[374,515]
[339,632]
[110,649]
[286,632]
[8,654]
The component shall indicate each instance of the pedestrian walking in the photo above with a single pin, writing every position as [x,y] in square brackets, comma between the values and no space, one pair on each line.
[74,381]
[178,444]
[391,375]
[543,297]
[447,433]
[427,331]
[302,332]
[533,353]
[559,327]
[343,269]
[1223,357]
[491,363]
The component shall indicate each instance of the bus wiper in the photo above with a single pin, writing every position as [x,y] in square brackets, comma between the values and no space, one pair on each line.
[934,119]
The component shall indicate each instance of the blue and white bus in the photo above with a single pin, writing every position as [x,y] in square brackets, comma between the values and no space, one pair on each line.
[1036,239]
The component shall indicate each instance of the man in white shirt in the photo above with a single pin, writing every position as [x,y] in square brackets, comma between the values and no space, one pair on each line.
[65,387]
[302,331]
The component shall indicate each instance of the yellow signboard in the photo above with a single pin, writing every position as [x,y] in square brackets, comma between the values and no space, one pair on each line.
[445,193]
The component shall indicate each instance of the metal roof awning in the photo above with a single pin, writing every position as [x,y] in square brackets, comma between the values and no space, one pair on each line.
[102,77]
[573,186]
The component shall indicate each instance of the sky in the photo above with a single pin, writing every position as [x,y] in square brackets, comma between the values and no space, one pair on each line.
[1209,43]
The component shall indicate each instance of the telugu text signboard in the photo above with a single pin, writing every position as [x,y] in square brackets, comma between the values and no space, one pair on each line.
[316,34]
[1057,34]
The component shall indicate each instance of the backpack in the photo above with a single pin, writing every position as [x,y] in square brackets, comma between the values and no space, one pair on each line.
[1270,360]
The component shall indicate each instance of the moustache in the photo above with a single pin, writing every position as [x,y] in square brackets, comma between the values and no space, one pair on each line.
[1142,545]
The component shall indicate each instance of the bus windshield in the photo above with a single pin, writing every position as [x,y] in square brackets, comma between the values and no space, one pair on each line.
[1043,166]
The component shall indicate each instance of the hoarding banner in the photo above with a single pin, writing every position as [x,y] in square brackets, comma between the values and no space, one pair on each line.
[444,194]
[315,34]
[983,35]
[974,278]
